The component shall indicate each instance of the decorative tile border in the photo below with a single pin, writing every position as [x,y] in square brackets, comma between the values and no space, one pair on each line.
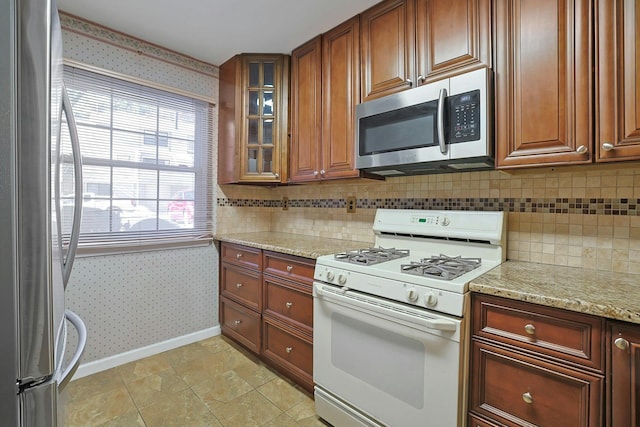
[98,32]
[630,207]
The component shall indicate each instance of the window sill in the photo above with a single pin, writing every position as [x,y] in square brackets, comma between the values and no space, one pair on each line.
[124,247]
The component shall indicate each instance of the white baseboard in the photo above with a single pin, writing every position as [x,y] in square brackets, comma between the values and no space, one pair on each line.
[139,353]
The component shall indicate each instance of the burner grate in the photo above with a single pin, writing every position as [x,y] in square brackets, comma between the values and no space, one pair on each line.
[441,267]
[371,256]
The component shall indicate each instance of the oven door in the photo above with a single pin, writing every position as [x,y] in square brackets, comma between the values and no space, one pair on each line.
[396,364]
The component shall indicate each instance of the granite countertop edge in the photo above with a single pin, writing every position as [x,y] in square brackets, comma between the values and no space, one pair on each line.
[600,293]
[292,244]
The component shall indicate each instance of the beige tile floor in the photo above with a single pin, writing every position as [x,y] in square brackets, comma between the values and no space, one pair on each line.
[207,383]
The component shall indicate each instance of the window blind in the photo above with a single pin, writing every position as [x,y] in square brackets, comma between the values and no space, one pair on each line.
[146,157]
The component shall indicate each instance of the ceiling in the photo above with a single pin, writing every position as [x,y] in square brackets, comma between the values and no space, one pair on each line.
[215,30]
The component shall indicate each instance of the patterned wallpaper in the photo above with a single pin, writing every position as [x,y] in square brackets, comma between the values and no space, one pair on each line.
[129,301]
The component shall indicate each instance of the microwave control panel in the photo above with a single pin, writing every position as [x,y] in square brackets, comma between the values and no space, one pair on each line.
[464,117]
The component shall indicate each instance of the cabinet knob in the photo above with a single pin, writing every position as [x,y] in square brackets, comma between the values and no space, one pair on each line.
[530,329]
[607,146]
[277,175]
[322,172]
[409,82]
[288,304]
[239,285]
[237,322]
[238,256]
[289,268]
[581,149]
[421,78]
[527,397]
[621,343]
[288,349]
[315,173]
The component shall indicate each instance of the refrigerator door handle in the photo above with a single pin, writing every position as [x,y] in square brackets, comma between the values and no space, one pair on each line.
[77,323]
[77,207]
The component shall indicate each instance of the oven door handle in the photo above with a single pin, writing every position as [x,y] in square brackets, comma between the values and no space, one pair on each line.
[382,308]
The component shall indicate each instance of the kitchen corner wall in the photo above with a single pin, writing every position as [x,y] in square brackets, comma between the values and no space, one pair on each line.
[582,216]
[133,300]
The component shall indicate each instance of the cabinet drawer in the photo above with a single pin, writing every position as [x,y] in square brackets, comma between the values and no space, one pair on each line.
[241,324]
[518,390]
[289,267]
[241,285]
[242,255]
[573,337]
[289,302]
[288,349]
[479,422]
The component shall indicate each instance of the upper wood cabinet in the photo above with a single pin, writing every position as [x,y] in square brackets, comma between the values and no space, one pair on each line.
[252,120]
[324,93]
[543,82]
[618,81]
[452,37]
[406,43]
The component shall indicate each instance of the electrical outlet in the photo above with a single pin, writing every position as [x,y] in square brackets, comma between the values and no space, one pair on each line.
[285,203]
[351,204]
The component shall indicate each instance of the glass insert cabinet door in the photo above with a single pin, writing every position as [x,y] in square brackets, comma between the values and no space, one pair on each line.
[263,135]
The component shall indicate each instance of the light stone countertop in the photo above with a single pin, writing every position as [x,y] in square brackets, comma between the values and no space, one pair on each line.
[293,244]
[601,293]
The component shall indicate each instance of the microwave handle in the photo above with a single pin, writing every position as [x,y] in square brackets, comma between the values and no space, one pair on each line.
[441,141]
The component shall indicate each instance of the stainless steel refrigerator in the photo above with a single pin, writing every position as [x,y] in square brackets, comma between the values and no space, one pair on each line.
[36,257]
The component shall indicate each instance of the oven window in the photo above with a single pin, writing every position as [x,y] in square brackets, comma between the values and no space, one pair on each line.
[387,361]
[409,127]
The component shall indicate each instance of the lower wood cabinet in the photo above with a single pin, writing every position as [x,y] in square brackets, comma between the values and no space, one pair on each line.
[266,305]
[534,365]
[624,367]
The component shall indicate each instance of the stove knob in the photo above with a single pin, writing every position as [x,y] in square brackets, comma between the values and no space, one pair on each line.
[412,295]
[445,221]
[330,275]
[431,299]
[342,279]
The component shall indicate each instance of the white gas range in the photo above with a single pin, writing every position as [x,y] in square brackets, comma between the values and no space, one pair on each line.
[389,321]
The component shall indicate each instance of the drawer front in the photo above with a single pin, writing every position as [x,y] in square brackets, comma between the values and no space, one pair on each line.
[241,285]
[479,422]
[288,349]
[518,390]
[241,324]
[290,303]
[242,255]
[289,267]
[574,337]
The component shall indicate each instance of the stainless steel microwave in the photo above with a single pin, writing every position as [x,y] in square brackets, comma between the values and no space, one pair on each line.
[443,126]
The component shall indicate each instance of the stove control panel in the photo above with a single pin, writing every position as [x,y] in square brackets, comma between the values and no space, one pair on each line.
[396,290]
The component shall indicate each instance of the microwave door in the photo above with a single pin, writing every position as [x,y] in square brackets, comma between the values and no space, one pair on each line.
[470,118]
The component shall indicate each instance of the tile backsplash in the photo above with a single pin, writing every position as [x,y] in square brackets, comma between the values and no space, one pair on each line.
[586,216]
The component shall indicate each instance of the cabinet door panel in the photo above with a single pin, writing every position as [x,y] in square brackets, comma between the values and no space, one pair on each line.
[340,94]
[618,80]
[388,43]
[452,36]
[624,390]
[543,82]
[306,98]
[517,390]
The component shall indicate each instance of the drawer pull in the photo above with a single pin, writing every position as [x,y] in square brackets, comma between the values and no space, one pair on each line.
[621,343]
[288,349]
[237,322]
[239,285]
[530,329]
[238,255]
[289,268]
[288,304]
[527,397]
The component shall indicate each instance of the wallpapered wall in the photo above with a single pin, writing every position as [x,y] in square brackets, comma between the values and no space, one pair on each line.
[586,216]
[129,301]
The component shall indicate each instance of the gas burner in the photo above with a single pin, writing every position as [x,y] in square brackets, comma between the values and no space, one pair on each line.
[441,267]
[371,256]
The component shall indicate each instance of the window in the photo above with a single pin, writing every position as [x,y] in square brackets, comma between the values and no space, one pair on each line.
[146,157]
